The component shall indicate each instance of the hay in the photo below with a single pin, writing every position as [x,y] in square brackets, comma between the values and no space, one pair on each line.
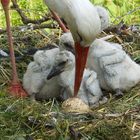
[26,119]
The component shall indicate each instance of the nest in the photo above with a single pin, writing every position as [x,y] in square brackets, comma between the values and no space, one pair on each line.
[26,119]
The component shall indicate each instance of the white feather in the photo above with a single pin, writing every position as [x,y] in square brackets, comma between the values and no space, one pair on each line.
[89,91]
[3,53]
[34,80]
[81,16]
[104,17]
[115,69]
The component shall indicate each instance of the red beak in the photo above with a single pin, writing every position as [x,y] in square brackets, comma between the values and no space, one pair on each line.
[81,58]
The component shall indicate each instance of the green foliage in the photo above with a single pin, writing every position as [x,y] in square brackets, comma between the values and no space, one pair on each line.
[34,9]
[127,10]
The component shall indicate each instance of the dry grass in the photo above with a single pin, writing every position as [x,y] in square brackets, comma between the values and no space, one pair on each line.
[23,119]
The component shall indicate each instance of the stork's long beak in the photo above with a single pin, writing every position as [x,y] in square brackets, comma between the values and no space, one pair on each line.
[56,70]
[81,54]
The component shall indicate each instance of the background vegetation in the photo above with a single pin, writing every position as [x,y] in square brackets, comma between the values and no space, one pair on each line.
[128,10]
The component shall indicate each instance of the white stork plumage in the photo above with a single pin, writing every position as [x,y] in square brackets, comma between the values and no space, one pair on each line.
[3,54]
[64,67]
[83,21]
[34,79]
[67,41]
[115,69]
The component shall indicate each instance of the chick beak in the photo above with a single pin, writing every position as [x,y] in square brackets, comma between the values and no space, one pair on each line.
[81,54]
[56,70]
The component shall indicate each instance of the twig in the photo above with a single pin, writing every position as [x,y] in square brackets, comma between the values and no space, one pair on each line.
[25,19]
[30,27]
[128,13]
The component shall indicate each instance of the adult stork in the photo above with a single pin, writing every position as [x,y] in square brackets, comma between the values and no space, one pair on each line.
[15,89]
[83,21]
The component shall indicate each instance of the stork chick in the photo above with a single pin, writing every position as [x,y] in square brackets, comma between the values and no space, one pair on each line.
[104,16]
[111,64]
[34,80]
[89,91]
[115,69]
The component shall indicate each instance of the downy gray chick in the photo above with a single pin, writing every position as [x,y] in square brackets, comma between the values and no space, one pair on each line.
[89,92]
[34,80]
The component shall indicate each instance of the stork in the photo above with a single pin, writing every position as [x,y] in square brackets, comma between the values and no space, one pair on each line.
[116,71]
[15,89]
[89,92]
[104,17]
[84,22]
[34,79]
[66,40]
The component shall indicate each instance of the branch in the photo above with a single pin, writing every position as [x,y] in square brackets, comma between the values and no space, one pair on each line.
[128,13]
[30,27]
[27,20]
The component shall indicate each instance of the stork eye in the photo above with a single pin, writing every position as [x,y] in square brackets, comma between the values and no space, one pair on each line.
[66,44]
[69,47]
[62,63]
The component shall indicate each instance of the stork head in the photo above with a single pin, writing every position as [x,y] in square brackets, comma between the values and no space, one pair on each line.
[65,61]
[67,42]
[104,17]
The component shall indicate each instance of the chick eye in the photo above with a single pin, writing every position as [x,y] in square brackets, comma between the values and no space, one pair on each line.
[62,63]
[49,66]
[66,44]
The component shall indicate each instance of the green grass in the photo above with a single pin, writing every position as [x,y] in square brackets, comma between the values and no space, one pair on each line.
[49,122]
[118,9]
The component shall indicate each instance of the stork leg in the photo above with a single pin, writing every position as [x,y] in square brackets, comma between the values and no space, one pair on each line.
[81,58]
[15,88]
[61,24]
